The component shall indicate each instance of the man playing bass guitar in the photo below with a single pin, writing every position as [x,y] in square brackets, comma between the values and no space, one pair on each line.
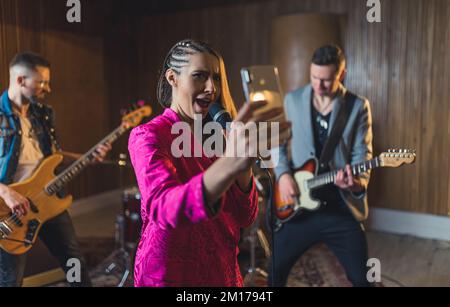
[27,136]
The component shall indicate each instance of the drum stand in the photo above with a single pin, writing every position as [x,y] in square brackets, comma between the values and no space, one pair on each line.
[254,273]
[120,258]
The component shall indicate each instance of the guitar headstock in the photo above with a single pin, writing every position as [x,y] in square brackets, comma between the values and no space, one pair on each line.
[134,118]
[397,157]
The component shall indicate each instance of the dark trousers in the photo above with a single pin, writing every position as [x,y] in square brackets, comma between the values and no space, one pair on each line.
[58,234]
[333,225]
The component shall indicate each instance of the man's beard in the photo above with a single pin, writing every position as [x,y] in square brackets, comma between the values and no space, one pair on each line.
[36,99]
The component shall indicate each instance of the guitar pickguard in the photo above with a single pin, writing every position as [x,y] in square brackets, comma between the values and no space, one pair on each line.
[305,201]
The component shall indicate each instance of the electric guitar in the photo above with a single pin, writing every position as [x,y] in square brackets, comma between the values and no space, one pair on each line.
[18,234]
[307,180]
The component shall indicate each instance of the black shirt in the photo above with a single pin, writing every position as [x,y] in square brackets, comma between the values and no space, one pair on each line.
[321,125]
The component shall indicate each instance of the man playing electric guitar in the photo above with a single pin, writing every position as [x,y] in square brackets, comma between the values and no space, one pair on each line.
[27,136]
[315,112]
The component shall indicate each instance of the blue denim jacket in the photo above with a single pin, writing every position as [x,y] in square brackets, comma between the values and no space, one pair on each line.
[10,135]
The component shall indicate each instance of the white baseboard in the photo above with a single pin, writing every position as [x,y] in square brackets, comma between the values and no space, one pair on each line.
[96,202]
[409,223]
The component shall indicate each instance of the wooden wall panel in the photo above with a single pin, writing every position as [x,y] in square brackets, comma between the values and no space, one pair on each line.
[293,40]
[446,77]
[79,89]
[399,64]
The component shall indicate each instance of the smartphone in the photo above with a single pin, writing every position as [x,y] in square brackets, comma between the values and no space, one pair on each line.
[263,83]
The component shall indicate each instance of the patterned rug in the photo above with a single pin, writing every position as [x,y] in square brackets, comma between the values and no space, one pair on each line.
[318,267]
[109,264]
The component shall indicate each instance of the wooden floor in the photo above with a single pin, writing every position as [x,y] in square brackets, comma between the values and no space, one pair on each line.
[411,261]
[405,260]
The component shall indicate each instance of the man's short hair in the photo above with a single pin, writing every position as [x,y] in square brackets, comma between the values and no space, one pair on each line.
[29,60]
[329,54]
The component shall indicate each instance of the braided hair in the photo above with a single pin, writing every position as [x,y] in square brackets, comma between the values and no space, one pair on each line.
[177,58]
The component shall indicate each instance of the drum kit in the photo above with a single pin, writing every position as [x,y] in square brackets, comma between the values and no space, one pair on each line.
[128,230]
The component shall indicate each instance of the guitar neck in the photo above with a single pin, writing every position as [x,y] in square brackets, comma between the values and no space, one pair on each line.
[76,167]
[330,177]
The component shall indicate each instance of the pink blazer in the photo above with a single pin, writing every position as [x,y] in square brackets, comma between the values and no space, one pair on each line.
[182,244]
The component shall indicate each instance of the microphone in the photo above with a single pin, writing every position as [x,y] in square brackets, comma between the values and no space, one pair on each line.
[220,115]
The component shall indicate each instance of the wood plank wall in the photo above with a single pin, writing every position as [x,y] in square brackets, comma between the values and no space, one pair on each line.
[400,65]
[79,89]
[113,58]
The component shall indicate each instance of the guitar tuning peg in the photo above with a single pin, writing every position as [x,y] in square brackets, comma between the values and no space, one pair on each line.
[389,150]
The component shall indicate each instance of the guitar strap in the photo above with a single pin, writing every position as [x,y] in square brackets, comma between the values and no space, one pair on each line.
[337,130]
[46,118]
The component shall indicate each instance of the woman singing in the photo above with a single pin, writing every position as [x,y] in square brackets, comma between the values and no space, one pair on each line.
[192,207]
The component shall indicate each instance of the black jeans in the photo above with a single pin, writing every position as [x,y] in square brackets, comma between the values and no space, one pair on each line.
[58,234]
[333,225]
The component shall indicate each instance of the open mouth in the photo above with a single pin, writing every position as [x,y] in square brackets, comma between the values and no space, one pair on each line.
[203,102]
